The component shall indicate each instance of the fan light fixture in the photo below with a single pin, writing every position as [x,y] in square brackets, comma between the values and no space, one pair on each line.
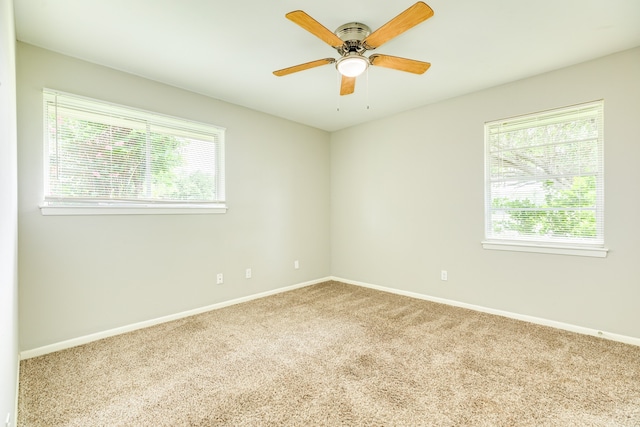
[352,65]
[353,39]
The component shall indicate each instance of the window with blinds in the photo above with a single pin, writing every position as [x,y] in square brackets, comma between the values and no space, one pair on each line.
[544,178]
[105,155]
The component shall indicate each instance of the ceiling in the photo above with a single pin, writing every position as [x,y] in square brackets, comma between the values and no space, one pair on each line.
[228,49]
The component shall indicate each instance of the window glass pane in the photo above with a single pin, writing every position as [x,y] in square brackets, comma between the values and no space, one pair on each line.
[545,177]
[101,152]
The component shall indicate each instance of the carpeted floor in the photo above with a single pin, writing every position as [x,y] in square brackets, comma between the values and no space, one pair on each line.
[336,355]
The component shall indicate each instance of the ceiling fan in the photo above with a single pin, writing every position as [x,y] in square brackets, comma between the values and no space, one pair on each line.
[353,39]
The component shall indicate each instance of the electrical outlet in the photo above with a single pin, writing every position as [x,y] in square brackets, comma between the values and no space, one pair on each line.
[219,279]
[7,422]
[247,273]
[444,275]
[296,264]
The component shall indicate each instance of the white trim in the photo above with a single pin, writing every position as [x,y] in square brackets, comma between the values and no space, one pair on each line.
[182,127]
[531,319]
[40,351]
[122,210]
[15,410]
[593,110]
[546,249]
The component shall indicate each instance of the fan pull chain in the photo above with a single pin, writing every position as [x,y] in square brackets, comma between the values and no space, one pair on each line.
[367,88]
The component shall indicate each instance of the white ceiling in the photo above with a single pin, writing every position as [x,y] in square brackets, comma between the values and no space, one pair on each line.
[228,49]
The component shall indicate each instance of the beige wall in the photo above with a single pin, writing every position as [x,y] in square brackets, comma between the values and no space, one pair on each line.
[8,216]
[388,203]
[407,202]
[86,274]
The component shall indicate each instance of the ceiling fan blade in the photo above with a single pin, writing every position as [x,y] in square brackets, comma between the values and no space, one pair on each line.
[397,63]
[347,85]
[304,66]
[406,20]
[314,27]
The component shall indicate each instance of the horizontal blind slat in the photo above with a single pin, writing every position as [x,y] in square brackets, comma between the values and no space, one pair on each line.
[544,176]
[103,151]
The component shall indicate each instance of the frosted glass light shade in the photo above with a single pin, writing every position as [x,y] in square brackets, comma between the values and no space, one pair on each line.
[352,66]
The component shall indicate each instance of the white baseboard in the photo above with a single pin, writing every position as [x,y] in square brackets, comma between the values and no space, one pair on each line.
[531,319]
[40,351]
[14,420]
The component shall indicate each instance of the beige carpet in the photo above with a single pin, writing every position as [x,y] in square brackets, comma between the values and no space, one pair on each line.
[336,355]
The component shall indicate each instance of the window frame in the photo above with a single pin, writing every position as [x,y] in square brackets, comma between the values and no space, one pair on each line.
[542,245]
[52,205]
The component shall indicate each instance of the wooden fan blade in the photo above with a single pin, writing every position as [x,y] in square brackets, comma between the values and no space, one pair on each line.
[314,27]
[348,85]
[397,63]
[406,20]
[304,66]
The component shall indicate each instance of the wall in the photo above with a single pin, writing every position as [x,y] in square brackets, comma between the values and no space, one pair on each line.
[81,275]
[8,216]
[405,196]
[407,201]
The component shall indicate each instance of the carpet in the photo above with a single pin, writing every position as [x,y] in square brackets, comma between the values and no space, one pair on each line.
[334,354]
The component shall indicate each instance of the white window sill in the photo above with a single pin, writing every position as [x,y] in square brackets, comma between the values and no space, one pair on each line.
[132,210]
[546,249]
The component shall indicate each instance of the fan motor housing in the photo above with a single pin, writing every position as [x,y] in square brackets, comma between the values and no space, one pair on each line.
[352,34]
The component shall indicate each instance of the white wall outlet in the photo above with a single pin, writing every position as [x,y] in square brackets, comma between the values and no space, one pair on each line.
[247,273]
[7,422]
[219,279]
[296,264]
[444,275]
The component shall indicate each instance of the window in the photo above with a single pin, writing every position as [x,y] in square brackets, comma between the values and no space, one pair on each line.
[105,158]
[544,189]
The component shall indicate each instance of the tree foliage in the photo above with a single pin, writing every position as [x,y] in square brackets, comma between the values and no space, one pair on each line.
[104,161]
[545,180]
[564,213]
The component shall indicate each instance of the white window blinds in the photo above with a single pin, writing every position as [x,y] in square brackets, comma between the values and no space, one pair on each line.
[544,177]
[105,154]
